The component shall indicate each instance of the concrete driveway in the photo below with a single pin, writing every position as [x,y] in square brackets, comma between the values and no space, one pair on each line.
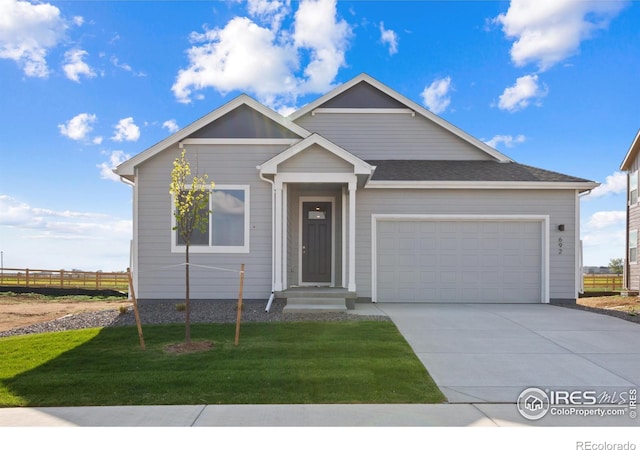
[490,353]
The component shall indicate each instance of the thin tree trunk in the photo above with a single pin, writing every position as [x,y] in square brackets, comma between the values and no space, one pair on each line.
[187,330]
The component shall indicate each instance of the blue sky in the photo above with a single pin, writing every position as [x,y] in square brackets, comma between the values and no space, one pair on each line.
[85,84]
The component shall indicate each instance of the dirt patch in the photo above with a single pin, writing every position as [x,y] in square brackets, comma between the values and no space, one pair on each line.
[21,310]
[189,347]
[626,308]
[614,301]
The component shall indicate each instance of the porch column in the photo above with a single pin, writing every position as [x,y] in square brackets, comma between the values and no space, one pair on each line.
[352,235]
[278,236]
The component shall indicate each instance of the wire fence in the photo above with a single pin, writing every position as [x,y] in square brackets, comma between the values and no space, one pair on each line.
[64,279]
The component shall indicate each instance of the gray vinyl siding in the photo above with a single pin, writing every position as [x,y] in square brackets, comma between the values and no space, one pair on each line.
[633,274]
[391,136]
[244,122]
[315,159]
[559,205]
[225,165]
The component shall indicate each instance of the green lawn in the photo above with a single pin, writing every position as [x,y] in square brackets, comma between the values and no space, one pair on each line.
[299,362]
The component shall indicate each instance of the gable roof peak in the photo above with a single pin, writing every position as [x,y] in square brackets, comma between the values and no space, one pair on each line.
[409,104]
[632,153]
[127,167]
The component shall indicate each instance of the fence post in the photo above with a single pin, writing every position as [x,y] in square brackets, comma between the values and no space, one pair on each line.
[97,280]
[26,278]
[62,279]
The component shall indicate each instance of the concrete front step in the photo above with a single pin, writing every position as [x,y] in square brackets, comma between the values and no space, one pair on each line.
[303,305]
[315,293]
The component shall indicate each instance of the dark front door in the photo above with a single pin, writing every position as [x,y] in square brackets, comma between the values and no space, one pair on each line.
[316,242]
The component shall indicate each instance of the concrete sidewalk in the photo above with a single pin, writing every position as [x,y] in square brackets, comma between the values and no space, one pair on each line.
[443,415]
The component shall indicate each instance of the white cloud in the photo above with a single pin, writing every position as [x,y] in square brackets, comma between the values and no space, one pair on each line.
[75,66]
[506,140]
[271,62]
[126,67]
[436,96]
[549,31]
[614,184]
[325,39]
[519,96]
[241,56]
[79,127]
[606,219]
[272,11]
[126,130]
[27,32]
[116,158]
[603,237]
[52,222]
[390,38]
[171,125]
[49,238]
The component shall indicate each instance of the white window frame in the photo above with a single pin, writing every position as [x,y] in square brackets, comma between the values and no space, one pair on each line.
[176,248]
[633,187]
[634,260]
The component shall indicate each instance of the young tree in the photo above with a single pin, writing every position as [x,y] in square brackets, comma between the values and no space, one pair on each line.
[191,211]
[615,264]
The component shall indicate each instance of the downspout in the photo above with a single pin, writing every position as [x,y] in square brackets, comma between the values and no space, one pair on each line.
[273,241]
[579,250]
[132,243]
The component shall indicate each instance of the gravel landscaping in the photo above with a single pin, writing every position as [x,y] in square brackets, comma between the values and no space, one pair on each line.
[164,312]
[219,311]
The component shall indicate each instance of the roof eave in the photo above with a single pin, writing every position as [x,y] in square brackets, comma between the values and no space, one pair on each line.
[581,186]
[360,167]
[632,153]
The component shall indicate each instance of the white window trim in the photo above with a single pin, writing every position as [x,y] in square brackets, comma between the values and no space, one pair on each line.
[631,175]
[636,247]
[175,248]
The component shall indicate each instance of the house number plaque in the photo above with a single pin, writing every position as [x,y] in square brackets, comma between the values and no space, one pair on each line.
[559,246]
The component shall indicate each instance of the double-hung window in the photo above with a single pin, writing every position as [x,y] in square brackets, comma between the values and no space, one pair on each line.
[633,246]
[227,225]
[633,188]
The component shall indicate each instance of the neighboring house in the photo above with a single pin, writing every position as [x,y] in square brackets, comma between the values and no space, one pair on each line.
[630,166]
[363,190]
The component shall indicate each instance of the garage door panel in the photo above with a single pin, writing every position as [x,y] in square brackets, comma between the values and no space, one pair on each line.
[459,261]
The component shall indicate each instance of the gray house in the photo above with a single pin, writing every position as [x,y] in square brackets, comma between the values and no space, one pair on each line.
[363,191]
[630,165]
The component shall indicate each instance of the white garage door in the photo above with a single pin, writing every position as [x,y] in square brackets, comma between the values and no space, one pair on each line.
[459,261]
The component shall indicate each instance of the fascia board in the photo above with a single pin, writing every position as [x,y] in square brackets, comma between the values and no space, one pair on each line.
[581,186]
[271,167]
[632,153]
[127,167]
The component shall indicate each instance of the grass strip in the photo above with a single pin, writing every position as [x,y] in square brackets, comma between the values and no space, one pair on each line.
[275,363]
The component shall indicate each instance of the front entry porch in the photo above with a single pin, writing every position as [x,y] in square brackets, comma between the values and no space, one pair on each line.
[301,300]
[314,214]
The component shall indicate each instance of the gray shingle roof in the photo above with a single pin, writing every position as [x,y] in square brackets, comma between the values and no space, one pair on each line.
[438,170]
